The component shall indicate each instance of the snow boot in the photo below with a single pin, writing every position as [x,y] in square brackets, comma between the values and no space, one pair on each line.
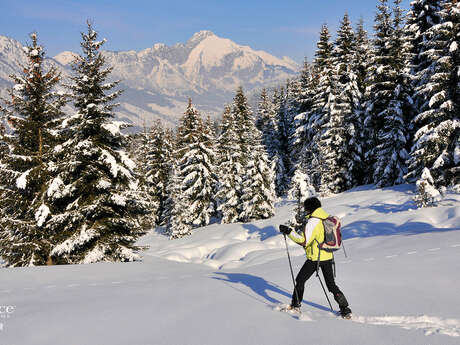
[294,308]
[345,313]
[291,308]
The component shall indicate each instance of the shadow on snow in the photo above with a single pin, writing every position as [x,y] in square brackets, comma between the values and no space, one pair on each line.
[361,229]
[365,229]
[263,233]
[260,287]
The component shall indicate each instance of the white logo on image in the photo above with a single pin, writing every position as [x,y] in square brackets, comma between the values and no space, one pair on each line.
[6,311]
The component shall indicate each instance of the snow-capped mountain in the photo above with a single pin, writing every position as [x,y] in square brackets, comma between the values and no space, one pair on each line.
[158,80]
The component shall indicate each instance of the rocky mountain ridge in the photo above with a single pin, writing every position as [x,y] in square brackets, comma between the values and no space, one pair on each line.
[159,80]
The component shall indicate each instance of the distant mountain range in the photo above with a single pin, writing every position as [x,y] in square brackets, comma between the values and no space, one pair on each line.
[159,80]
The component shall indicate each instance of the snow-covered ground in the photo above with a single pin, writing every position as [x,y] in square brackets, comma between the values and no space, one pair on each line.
[221,285]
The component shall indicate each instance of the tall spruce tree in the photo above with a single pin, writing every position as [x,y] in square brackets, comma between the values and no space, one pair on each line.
[257,193]
[244,124]
[167,167]
[93,196]
[437,142]
[389,98]
[32,113]
[341,152]
[258,186]
[362,56]
[379,88]
[302,135]
[323,102]
[138,149]
[272,130]
[422,16]
[158,161]
[195,171]
[361,59]
[295,98]
[300,124]
[229,170]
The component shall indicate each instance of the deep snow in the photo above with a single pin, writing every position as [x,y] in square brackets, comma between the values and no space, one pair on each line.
[222,284]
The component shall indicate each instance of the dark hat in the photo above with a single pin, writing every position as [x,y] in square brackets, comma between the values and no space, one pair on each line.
[311,204]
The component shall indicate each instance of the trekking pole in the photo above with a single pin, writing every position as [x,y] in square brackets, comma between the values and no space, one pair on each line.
[344,251]
[325,292]
[292,273]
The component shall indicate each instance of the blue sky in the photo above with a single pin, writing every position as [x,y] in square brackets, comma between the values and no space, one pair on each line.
[288,27]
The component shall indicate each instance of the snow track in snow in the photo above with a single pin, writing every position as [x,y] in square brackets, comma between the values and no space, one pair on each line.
[429,324]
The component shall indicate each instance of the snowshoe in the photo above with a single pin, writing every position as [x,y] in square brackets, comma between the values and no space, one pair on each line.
[287,308]
[345,313]
[347,316]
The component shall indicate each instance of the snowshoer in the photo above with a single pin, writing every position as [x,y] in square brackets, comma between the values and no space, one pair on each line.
[310,238]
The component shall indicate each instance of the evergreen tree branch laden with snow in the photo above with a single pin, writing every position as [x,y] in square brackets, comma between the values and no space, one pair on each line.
[427,194]
[32,114]
[229,170]
[389,103]
[194,178]
[437,140]
[94,196]
[256,195]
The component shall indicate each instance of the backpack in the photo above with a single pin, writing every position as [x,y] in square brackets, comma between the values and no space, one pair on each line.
[332,234]
[332,239]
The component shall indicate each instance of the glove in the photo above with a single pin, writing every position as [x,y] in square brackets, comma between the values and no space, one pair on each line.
[285,229]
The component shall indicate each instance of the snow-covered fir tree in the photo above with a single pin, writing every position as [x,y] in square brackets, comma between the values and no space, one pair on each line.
[269,124]
[308,83]
[341,152]
[300,123]
[244,124]
[295,98]
[437,142]
[301,133]
[422,16]
[323,102]
[230,171]
[377,92]
[265,117]
[169,145]
[362,56]
[93,196]
[427,194]
[194,172]
[360,66]
[389,100]
[138,150]
[258,186]
[159,164]
[283,118]
[258,192]
[210,133]
[32,113]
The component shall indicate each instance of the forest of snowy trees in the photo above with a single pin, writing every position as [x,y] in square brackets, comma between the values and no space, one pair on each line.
[378,110]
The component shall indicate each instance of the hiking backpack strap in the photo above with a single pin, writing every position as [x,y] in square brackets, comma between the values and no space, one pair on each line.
[319,258]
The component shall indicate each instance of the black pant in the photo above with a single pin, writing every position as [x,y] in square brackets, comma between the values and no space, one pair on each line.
[308,268]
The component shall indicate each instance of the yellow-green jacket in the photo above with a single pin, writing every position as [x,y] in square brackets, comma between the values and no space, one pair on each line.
[313,232]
